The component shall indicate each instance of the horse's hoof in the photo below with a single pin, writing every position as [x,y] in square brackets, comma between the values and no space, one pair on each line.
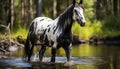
[52,62]
[68,64]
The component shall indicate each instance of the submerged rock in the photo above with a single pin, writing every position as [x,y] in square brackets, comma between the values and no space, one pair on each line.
[68,64]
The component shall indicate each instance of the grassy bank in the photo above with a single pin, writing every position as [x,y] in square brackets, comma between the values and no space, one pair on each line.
[15,33]
[20,32]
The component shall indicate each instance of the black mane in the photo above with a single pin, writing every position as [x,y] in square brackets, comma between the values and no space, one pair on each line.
[66,18]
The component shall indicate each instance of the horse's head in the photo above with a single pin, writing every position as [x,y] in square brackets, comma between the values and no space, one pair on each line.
[78,12]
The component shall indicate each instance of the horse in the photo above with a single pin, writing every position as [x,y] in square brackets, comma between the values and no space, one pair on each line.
[54,33]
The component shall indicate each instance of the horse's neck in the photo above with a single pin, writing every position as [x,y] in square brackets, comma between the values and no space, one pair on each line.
[65,20]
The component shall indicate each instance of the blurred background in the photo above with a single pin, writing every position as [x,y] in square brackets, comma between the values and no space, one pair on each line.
[102,16]
[102,24]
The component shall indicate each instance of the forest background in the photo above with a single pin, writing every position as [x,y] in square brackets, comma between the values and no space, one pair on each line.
[102,16]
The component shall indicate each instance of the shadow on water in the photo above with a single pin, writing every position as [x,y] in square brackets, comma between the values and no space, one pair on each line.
[84,57]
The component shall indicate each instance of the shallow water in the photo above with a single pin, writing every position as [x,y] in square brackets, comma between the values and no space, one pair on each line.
[83,56]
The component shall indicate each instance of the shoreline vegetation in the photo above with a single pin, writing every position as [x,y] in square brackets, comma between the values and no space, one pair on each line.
[7,46]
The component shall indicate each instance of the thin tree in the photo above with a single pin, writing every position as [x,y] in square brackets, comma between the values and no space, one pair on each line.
[54,8]
[31,9]
[38,8]
[115,7]
[12,12]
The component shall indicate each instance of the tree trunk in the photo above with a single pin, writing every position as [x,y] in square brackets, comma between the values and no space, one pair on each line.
[38,8]
[54,8]
[12,13]
[115,7]
[31,9]
[23,7]
[23,11]
[103,8]
[58,7]
[119,6]
[30,12]
[9,13]
[69,2]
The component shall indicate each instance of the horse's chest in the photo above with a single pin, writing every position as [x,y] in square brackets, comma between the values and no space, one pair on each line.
[65,38]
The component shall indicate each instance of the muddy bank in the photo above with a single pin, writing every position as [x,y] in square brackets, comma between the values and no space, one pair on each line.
[11,45]
[105,40]
[8,46]
[96,40]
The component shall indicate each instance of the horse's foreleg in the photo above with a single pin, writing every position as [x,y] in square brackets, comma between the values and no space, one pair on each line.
[41,52]
[53,52]
[67,51]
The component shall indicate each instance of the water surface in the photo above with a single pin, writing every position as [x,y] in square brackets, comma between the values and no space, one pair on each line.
[83,56]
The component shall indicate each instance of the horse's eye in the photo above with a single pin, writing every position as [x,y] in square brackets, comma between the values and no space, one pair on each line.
[75,11]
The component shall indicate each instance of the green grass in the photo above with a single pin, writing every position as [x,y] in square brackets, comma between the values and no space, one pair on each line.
[20,32]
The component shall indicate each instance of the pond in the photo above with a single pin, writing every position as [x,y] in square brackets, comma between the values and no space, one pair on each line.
[84,57]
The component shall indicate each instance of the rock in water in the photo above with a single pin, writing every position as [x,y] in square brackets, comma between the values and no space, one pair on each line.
[68,64]
[13,48]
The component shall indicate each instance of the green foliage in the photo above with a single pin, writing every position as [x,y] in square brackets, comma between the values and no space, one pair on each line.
[89,9]
[91,29]
[19,32]
[108,27]
[103,10]
[111,26]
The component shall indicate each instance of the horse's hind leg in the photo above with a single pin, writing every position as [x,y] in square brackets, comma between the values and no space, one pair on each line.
[26,48]
[41,52]
[30,52]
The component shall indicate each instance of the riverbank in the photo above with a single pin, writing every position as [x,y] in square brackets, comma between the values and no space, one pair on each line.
[97,41]
[7,46]
[106,40]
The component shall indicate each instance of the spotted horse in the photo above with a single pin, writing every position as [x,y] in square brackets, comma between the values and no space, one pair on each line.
[54,33]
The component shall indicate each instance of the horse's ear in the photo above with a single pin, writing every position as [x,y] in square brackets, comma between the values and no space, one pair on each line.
[80,2]
[74,2]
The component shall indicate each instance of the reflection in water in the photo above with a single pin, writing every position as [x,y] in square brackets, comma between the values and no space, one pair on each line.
[84,57]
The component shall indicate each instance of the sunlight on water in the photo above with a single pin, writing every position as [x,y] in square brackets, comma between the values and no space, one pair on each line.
[18,62]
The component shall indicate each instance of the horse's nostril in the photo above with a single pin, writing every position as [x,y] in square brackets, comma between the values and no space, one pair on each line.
[83,24]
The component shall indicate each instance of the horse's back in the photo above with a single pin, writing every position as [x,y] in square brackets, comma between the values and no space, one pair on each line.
[39,19]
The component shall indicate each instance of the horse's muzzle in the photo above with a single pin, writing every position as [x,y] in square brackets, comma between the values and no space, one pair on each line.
[82,24]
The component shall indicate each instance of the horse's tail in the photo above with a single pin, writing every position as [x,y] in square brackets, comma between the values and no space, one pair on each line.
[27,48]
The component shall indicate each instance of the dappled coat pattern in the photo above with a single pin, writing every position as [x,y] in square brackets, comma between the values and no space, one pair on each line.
[54,33]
